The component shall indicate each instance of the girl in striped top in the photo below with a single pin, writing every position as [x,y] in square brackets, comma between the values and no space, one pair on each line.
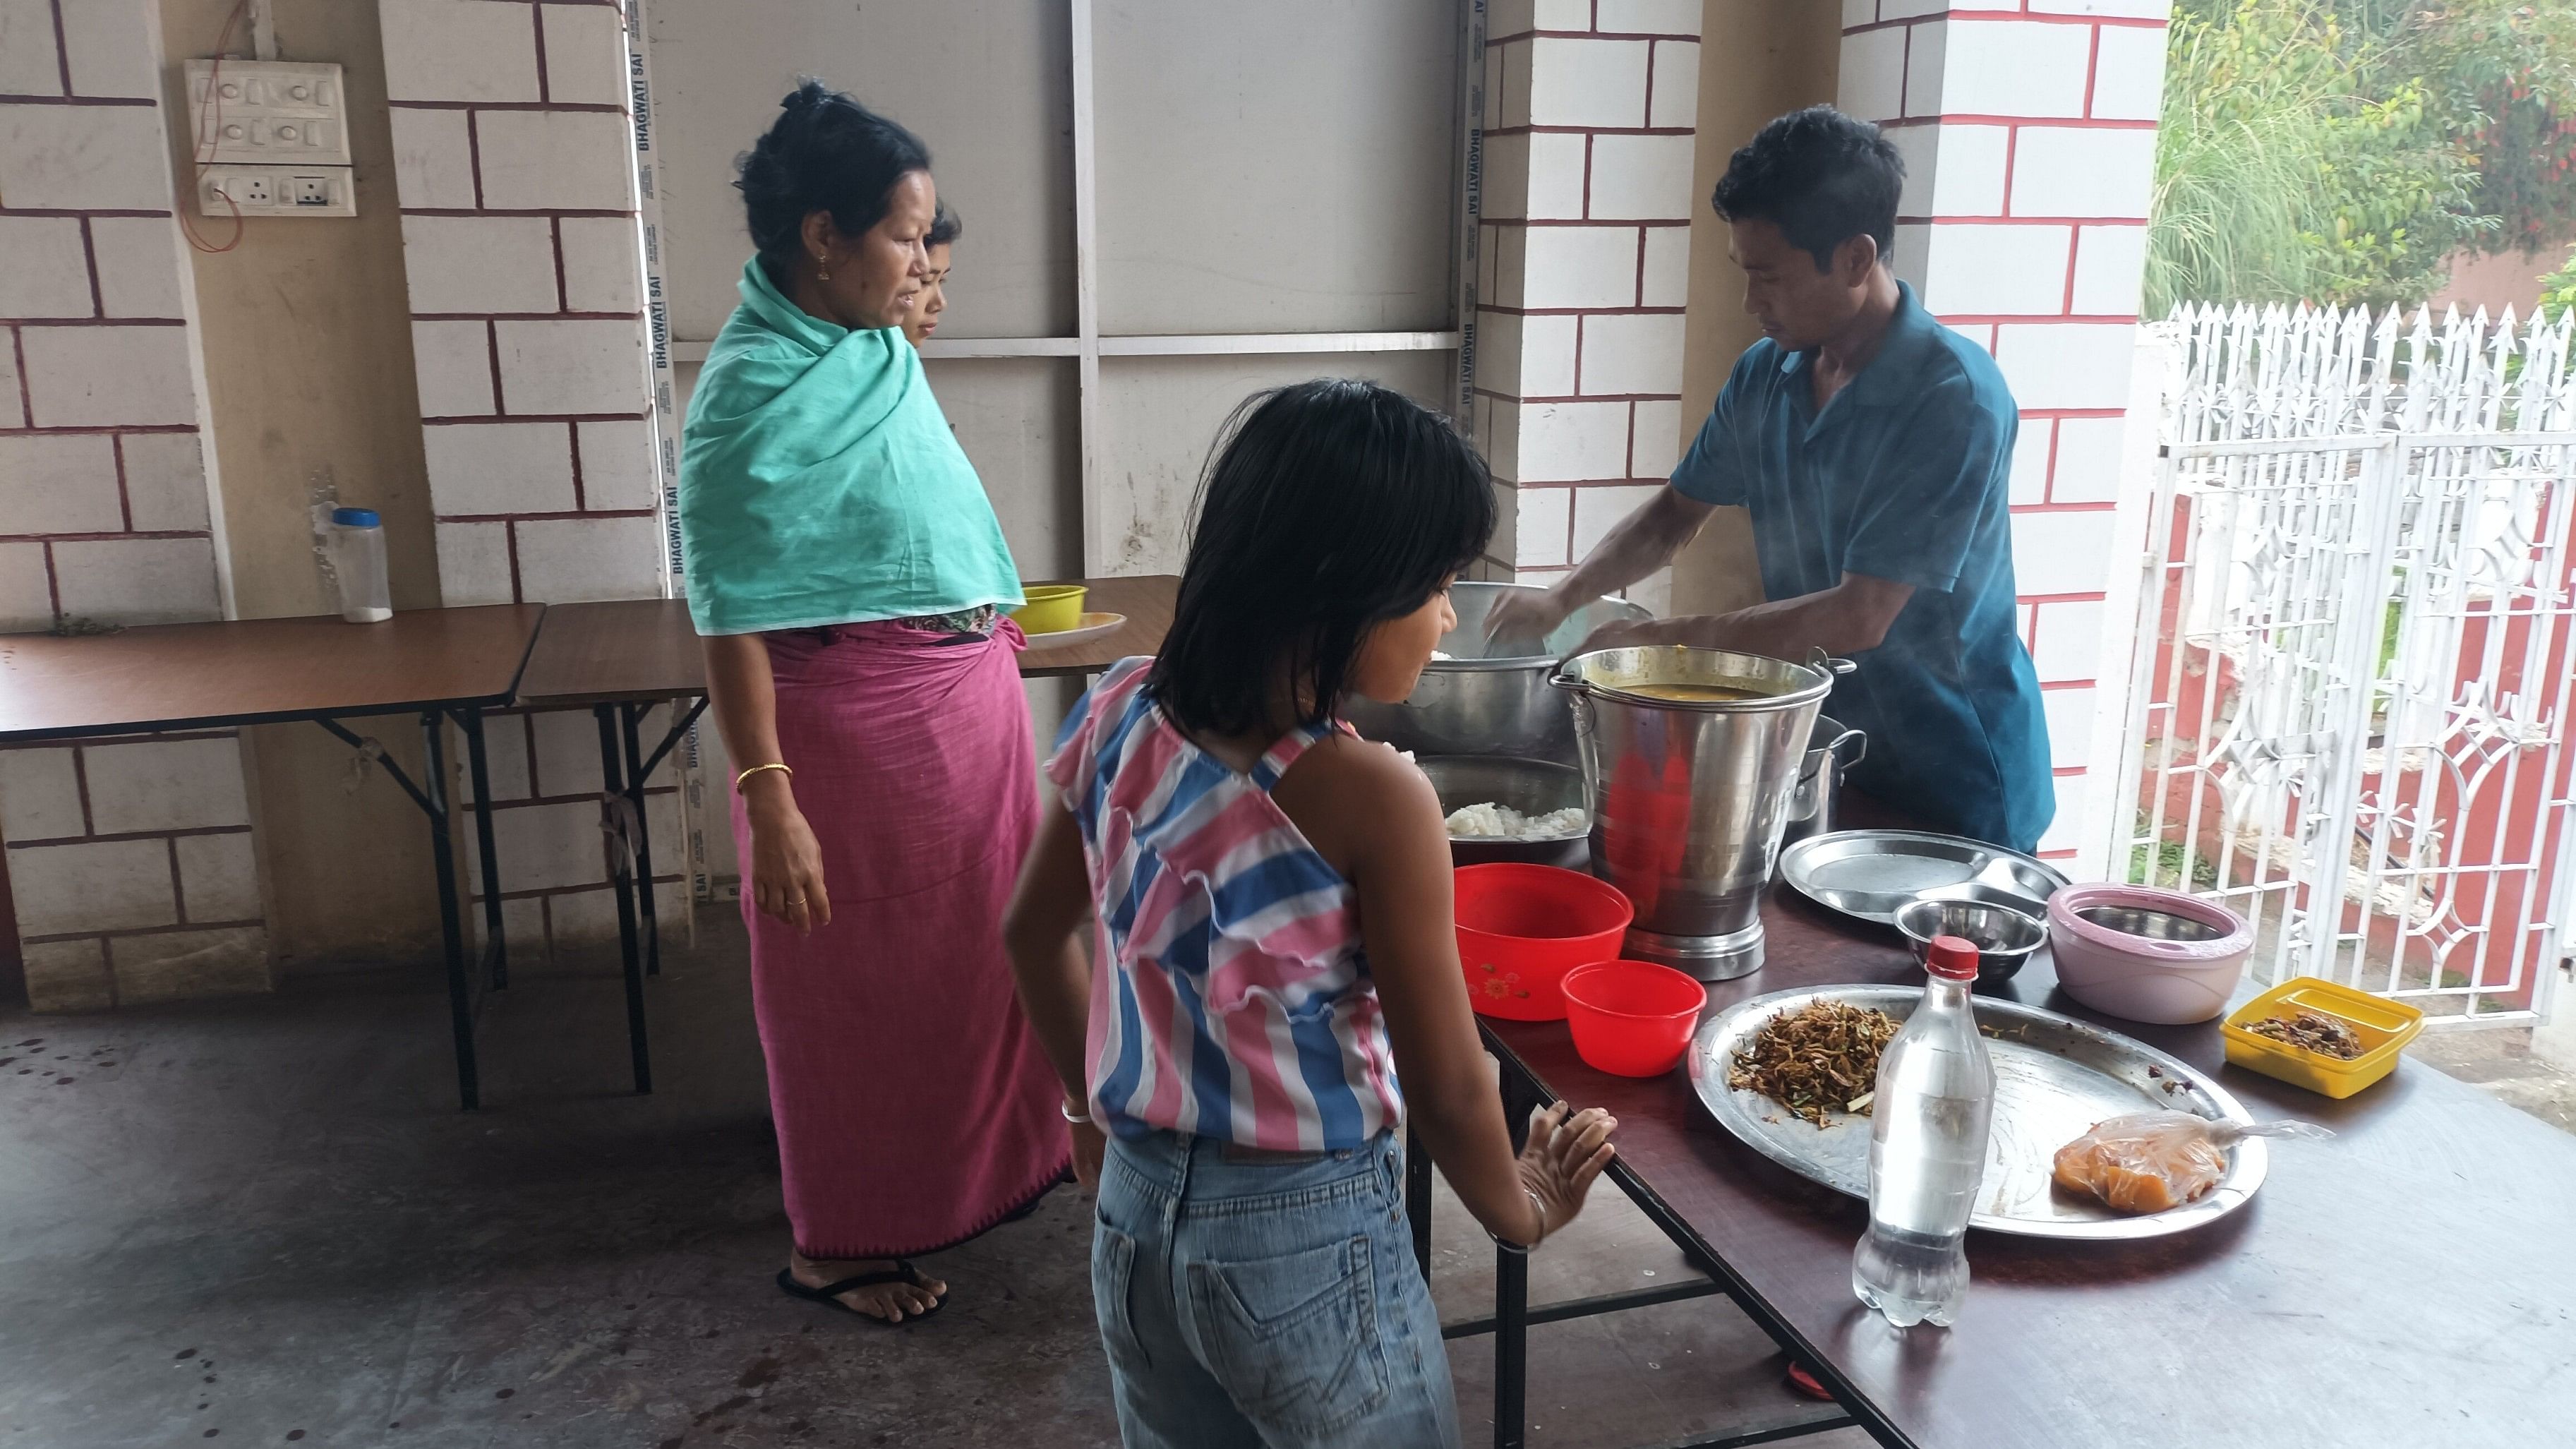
[1274,953]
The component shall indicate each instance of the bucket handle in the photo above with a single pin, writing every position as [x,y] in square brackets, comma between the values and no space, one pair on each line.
[1571,682]
[1857,739]
[1817,658]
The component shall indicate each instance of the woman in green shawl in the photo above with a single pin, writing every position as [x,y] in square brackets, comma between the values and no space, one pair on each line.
[848,578]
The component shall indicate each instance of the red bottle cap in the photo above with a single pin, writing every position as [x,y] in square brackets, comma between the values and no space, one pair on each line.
[1952,957]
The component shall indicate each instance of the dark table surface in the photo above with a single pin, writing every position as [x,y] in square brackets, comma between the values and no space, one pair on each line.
[637,649]
[245,671]
[2412,1282]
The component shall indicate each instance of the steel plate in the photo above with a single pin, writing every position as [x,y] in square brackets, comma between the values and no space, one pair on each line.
[1873,874]
[2054,1078]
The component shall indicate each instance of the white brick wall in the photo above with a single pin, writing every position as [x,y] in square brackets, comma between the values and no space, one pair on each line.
[2012,68]
[59,483]
[2029,144]
[1972,269]
[459,50]
[1591,83]
[1580,266]
[2083,171]
[480,263]
[48,273]
[108,377]
[480,468]
[2067,364]
[1584,264]
[1631,353]
[1641,178]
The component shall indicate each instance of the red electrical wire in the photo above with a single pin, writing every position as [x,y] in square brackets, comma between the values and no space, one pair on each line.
[210,116]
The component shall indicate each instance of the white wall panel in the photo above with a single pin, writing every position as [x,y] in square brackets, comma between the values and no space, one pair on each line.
[1276,168]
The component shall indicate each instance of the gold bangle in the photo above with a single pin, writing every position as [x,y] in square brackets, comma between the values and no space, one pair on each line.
[756,769]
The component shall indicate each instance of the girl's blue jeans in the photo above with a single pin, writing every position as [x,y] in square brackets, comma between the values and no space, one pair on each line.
[1265,1299]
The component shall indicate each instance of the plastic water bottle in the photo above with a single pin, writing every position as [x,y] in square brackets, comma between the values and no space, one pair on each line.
[1927,1150]
[358,562]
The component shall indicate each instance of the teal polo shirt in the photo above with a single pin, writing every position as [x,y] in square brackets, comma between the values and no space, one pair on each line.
[1902,476]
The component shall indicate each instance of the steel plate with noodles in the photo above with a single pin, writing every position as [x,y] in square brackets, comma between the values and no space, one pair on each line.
[1801,1097]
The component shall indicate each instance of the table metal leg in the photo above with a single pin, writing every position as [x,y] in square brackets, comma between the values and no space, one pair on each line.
[496,946]
[1417,1199]
[622,882]
[451,916]
[649,920]
[1511,1347]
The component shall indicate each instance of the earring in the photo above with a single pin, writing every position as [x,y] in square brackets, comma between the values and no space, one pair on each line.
[822,271]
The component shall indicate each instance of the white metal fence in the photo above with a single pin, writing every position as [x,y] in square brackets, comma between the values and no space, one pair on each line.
[2347,711]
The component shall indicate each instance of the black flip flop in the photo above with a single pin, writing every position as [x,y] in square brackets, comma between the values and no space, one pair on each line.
[829,1295]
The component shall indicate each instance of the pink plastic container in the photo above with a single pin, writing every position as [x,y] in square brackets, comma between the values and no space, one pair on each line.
[1631,1018]
[2145,954]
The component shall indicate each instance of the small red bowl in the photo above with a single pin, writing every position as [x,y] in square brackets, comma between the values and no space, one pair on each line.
[1521,927]
[1632,1018]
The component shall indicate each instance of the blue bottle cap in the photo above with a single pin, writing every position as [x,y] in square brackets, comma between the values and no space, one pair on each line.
[356,517]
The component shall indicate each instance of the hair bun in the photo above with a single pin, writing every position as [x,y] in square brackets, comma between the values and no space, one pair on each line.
[810,95]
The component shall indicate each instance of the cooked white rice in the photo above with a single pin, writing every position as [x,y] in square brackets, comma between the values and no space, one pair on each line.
[1489,821]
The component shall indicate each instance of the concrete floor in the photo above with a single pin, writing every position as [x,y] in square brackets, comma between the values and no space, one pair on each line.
[263,1221]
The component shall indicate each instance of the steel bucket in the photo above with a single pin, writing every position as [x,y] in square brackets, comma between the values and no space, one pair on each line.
[1472,704]
[1816,803]
[1689,797]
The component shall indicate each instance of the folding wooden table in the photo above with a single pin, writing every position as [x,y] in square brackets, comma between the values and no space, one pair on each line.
[441,664]
[2409,1282]
[624,658]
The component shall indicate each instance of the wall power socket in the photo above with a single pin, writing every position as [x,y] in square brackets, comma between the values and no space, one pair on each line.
[276,191]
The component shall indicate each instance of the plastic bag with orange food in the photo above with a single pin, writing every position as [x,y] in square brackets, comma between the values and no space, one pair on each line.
[2152,1161]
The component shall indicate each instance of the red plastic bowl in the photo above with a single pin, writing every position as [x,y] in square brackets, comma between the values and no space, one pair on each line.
[1632,1018]
[1521,927]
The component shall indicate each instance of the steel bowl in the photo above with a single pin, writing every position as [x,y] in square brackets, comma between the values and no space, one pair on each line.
[2004,937]
[2154,925]
[1532,787]
[1490,697]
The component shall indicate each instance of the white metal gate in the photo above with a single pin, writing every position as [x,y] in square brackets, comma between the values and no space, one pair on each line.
[2348,716]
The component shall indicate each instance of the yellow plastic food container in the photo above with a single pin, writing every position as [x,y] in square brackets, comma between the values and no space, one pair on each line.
[2384,1026]
[1051,609]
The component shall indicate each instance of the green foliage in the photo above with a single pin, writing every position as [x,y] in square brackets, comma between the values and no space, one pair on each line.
[2337,151]
[2558,289]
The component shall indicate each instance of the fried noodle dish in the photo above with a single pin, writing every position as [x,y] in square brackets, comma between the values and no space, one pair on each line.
[1820,1058]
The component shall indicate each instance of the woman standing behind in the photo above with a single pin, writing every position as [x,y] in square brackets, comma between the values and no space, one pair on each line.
[845,572]
[940,244]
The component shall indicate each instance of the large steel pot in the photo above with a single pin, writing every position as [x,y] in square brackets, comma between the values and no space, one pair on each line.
[1490,699]
[1689,796]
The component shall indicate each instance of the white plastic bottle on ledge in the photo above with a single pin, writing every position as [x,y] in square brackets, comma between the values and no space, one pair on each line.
[358,560]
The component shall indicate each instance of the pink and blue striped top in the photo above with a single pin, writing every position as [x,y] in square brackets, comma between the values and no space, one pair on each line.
[1230,997]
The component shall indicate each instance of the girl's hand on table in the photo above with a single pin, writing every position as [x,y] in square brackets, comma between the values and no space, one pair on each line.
[786,862]
[1563,1156]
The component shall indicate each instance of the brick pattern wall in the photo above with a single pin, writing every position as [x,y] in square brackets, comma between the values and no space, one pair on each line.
[130,861]
[1584,261]
[514,159]
[2029,131]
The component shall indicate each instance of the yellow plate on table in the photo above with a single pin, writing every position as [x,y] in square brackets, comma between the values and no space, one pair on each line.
[1051,608]
[2384,1026]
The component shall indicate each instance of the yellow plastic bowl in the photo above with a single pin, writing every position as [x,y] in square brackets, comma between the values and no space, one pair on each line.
[2384,1026]
[1051,609]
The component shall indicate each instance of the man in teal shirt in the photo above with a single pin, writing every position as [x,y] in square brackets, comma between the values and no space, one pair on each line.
[1871,445]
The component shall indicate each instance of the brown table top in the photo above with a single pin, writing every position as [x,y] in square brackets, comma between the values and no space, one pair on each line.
[246,671]
[647,648]
[2412,1282]
[624,649]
